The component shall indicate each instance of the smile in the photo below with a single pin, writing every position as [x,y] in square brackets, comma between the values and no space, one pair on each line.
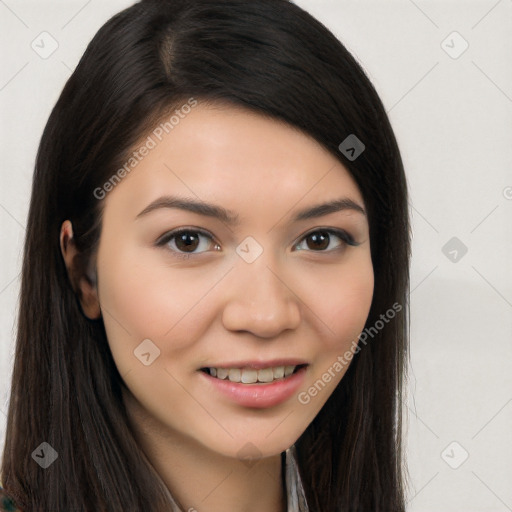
[251,375]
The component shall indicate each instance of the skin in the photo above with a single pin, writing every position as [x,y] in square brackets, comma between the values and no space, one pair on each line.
[213,306]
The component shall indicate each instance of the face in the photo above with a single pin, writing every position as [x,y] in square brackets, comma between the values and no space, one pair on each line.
[232,330]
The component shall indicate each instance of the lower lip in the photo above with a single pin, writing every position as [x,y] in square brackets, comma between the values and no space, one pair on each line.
[258,396]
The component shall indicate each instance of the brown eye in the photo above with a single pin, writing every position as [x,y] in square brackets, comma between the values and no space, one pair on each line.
[187,241]
[320,240]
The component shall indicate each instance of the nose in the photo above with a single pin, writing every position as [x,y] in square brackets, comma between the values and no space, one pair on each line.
[261,299]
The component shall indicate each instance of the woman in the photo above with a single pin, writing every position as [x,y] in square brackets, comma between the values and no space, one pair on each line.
[214,286]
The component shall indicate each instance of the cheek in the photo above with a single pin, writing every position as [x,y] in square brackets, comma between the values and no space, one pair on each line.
[146,299]
[128,296]
[344,304]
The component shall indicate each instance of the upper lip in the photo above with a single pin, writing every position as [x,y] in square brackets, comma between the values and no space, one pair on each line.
[258,365]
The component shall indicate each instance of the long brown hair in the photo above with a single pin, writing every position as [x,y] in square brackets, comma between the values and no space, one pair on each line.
[269,56]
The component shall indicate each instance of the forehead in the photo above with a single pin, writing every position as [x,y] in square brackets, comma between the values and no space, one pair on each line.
[233,156]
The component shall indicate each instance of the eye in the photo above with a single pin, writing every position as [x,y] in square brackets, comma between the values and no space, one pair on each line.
[186,241]
[320,239]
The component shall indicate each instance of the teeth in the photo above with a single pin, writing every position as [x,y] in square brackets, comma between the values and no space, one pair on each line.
[266,375]
[234,375]
[251,376]
[288,370]
[279,372]
[222,373]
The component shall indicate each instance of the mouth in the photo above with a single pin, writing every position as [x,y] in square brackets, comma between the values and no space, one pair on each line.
[253,375]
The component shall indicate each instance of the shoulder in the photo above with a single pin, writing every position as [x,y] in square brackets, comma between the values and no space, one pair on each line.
[6,503]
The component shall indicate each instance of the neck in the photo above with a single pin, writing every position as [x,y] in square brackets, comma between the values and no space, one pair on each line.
[201,480]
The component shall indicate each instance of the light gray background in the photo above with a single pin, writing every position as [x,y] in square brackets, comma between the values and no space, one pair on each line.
[453,121]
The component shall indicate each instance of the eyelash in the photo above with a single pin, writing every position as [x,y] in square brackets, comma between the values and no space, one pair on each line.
[345,237]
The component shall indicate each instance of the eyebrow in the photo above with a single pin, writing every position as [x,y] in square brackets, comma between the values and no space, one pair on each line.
[232,219]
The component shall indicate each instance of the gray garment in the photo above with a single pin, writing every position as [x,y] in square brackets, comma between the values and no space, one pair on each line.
[296,499]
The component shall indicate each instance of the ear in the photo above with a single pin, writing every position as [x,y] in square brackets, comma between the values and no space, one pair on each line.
[84,285]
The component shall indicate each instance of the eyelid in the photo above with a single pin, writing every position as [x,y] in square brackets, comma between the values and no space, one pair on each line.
[169,235]
[340,233]
[344,235]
